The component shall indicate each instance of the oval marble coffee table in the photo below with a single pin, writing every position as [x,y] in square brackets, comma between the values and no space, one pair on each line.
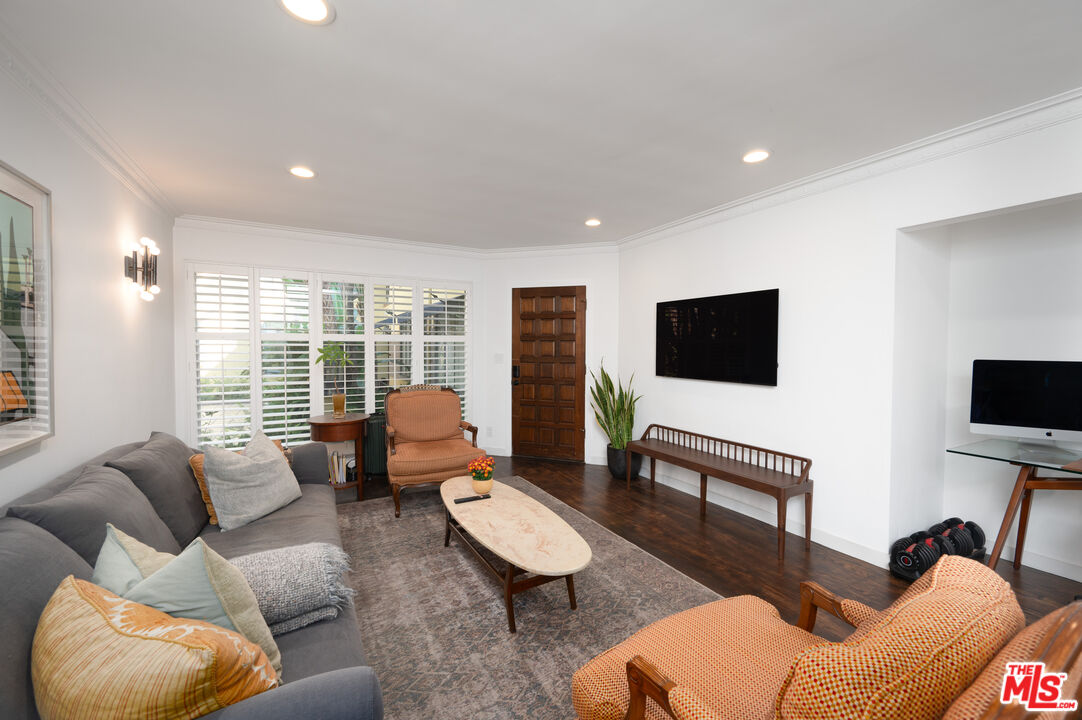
[533,540]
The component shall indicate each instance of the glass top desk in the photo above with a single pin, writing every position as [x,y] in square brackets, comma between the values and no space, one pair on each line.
[1029,457]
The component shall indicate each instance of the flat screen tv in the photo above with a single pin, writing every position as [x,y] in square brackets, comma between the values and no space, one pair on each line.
[1027,399]
[728,338]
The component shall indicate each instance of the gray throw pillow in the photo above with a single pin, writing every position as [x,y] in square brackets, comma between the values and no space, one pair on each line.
[78,513]
[245,487]
[160,469]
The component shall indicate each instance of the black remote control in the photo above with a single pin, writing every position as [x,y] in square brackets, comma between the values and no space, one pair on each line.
[472,498]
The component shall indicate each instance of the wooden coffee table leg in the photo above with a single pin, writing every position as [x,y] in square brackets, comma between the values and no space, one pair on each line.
[571,591]
[447,530]
[508,598]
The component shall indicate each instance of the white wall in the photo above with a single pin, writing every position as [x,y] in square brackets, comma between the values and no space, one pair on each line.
[1014,295]
[922,280]
[112,361]
[833,255]
[598,270]
[492,276]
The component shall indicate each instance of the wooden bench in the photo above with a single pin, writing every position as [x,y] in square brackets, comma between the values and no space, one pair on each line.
[767,471]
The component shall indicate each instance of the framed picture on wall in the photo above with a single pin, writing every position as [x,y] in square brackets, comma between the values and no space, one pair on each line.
[26,352]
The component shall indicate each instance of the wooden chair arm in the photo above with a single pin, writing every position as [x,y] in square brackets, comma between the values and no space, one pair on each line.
[646,681]
[814,596]
[470,429]
[390,440]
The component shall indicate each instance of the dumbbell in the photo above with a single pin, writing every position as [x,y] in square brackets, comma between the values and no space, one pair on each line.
[965,536]
[974,529]
[918,552]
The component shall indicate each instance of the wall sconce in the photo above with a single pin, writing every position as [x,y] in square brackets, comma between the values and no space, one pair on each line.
[142,268]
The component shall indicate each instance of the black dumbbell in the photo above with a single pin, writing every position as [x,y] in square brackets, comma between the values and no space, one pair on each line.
[958,535]
[918,552]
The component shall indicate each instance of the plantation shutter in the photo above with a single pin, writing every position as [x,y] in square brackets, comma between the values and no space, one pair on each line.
[222,358]
[342,310]
[444,361]
[284,357]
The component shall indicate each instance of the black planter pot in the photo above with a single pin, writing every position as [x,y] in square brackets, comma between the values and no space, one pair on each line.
[618,463]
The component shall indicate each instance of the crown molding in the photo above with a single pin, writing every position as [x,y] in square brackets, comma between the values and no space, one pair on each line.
[201,222]
[39,83]
[1036,116]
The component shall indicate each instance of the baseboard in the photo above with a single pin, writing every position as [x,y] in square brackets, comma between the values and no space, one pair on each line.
[1037,561]
[793,524]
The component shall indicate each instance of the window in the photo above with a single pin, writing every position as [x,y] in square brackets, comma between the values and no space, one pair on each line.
[445,358]
[283,351]
[255,333]
[222,359]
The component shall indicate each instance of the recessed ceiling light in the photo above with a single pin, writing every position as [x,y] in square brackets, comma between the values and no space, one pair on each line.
[756,156]
[313,12]
[302,172]
[593,222]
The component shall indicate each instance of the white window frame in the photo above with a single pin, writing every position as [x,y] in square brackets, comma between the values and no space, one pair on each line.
[316,336]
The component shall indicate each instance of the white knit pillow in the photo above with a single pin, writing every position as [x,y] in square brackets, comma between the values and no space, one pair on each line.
[245,487]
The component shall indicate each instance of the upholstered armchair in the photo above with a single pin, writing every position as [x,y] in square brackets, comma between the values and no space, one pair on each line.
[425,442]
[939,651]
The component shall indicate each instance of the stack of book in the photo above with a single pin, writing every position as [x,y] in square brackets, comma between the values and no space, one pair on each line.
[336,466]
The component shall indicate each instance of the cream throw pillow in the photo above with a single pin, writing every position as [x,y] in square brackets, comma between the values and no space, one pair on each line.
[199,584]
[246,487]
[97,655]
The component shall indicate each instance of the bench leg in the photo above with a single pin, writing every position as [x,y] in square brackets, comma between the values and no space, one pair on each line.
[783,501]
[627,466]
[702,495]
[653,470]
[807,520]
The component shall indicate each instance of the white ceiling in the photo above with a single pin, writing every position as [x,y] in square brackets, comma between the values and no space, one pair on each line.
[502,123]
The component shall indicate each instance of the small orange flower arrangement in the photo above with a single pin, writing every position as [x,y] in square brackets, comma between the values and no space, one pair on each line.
[481,468]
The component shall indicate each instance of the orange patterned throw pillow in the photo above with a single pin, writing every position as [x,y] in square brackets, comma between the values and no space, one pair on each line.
[913,659]
[97,655]
[195,462]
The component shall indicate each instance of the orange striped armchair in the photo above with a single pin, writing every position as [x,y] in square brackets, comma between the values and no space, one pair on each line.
[940,650]
[425,441]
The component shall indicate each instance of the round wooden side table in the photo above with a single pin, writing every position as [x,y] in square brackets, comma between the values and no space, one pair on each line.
[328,428]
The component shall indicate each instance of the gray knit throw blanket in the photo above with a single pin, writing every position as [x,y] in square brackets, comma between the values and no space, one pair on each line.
[298,585]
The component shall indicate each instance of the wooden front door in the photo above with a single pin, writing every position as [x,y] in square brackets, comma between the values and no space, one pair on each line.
[548,372]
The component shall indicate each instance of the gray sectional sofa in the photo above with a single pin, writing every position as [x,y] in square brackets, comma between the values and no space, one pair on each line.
[323,665]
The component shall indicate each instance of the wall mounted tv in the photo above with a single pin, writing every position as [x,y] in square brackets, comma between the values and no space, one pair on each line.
[1027,399]
[727,338]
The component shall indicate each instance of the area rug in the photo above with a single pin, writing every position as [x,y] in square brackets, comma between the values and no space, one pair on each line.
[433,622]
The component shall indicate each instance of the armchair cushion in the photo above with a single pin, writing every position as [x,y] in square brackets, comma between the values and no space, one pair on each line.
[687,705]
[915,657]
[985,690]
[432,457]
[424,415]
[730,655]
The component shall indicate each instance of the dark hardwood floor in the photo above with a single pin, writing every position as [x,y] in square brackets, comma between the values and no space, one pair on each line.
[731,553]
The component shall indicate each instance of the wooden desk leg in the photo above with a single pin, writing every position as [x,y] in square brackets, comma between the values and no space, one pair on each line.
[1008,517]
[508,599]
[571,591]
[702,495]
[358,454]
[783,502]
[1023,523]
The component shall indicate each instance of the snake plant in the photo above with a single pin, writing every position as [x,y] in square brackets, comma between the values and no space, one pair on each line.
[614,407]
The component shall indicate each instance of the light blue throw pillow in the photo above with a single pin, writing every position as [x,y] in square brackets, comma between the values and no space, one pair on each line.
[198,584]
